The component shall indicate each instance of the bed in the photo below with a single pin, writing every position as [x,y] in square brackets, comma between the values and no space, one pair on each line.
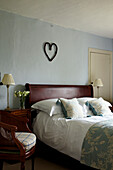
[71,136]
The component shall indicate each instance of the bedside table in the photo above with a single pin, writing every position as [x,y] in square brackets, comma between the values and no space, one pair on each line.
[19,113]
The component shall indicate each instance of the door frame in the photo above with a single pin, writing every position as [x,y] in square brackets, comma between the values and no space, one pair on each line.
[94,50]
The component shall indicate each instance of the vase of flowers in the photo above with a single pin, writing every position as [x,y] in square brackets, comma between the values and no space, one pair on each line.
[21,95]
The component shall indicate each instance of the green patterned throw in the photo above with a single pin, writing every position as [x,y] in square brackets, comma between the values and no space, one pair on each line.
[97,149]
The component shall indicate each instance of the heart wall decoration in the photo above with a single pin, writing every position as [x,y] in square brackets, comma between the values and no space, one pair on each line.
[50,48]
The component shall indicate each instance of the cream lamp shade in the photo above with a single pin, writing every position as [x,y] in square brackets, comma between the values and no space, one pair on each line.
[8,80]
[98,83]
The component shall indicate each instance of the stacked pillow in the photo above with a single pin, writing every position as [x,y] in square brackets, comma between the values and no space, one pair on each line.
[71,108]
[99,107]
[66,108]
[82,101]
[74,108]
[48,106]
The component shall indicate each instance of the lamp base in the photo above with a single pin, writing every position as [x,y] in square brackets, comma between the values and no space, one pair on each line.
[8,108]
[98,91]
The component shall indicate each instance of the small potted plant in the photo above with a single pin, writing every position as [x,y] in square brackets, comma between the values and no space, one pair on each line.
[21,95]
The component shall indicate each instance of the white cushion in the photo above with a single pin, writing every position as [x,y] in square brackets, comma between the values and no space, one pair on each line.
[27,139]
[105,102]
[85,108]
[72,108]
[100,107]
[48,106]
[83,100]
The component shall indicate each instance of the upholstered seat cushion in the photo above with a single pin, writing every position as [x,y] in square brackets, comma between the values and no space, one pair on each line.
[27,139]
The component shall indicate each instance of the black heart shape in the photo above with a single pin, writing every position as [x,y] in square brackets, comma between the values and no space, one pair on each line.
[50,47]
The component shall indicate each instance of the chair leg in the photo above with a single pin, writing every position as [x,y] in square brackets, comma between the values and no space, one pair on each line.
[1,164]
[33,162]
[22,165]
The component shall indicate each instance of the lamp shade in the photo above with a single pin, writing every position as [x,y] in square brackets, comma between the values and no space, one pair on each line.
[8,79]
[98,83]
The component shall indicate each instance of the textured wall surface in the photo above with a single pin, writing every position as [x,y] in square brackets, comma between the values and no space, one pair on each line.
[21,53]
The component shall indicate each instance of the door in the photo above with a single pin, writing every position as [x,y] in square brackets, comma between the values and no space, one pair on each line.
[100,66]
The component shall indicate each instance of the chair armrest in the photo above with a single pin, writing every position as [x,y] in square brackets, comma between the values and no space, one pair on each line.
[8,139]
[8,127]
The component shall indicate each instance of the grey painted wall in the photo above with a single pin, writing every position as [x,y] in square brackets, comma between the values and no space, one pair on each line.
[21,53]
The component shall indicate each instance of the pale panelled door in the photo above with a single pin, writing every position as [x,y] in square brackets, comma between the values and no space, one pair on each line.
[100,66]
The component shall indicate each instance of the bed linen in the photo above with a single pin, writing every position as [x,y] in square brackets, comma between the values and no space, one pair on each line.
[97,148]
[65,135]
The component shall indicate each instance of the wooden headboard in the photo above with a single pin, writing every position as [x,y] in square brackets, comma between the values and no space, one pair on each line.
[40,92]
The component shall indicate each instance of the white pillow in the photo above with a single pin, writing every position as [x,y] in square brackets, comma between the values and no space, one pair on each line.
[105,102]
[85,108]
[71,108]
[56,109]
[100,107]
[49,106]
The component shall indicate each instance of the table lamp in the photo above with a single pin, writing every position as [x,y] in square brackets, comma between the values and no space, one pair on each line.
[98,83]
[8,81]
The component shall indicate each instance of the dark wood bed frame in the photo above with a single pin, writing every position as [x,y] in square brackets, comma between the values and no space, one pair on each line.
[40,92]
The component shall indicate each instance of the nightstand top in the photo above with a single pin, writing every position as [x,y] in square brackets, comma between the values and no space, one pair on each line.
[14,109]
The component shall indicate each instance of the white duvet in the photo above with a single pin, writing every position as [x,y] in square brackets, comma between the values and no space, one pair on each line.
[65,135]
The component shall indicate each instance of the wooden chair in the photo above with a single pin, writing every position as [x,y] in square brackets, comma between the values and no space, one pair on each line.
[16,145]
